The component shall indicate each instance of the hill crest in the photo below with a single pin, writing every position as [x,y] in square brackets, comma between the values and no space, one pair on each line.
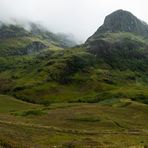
[123,21]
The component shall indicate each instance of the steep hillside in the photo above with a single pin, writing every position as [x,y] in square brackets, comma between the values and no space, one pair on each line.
[121,50]
[108,66]
[121,42]
[90,95]
[62,40]
[123,21]
[10,31]
[35,30]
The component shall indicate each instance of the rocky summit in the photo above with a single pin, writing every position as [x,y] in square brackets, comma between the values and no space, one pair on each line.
[123,21]
[121,41]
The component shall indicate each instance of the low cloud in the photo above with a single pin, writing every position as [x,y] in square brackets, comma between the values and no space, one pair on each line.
[78,17]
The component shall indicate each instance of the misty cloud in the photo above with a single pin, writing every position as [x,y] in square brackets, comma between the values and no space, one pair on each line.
[79,17]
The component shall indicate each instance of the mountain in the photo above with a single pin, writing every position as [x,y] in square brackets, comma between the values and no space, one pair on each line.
[121,41]
[62,40]
[91,95]
[123,21]
[35,30]
[38,66]
[9,31]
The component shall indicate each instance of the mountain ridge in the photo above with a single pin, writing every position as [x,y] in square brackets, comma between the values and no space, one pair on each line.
[122,21]
[16,30]
[35,69]
[121,41]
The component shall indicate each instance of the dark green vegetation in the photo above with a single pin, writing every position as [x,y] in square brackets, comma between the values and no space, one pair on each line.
[96,92]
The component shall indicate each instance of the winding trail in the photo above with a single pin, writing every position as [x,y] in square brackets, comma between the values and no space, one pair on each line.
[82,132]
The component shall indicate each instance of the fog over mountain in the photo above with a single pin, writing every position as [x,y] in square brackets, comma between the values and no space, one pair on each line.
[73,73]
[78,17]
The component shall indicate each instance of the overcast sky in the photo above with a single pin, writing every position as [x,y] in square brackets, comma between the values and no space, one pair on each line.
[79,17]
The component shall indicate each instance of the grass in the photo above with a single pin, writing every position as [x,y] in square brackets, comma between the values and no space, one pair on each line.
[33,112]
[86,118]
[69,75]
[85,102]
[112,37]
[77,125]
[9,104]
[93,86]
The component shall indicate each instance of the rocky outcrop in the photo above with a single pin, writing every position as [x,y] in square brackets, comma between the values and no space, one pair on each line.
[32,48]
[122,21]
[11,31]
[121,31]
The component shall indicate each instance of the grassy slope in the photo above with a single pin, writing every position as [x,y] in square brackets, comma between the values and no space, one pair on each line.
[70,78]
[72,75]
[9,104]
[80,124]
[121,50]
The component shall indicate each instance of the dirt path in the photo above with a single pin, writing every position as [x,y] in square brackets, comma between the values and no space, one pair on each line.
[73,131]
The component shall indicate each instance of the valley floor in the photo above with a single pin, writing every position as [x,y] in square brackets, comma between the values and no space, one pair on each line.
[72,124]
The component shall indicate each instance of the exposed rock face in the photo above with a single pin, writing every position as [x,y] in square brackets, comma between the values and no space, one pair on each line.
[120,24]
[32,48]
[125,48]
[9,31]
[122,21]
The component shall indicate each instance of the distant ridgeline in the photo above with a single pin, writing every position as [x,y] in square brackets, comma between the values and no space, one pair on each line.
[10,31]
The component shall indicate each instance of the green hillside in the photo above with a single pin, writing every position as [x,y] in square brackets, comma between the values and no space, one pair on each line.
[9,104]
[81,124]
[49,74]
[57,95]
[122,50]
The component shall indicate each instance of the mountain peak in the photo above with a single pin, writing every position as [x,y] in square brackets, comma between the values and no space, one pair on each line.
[120,39]
[123,21]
